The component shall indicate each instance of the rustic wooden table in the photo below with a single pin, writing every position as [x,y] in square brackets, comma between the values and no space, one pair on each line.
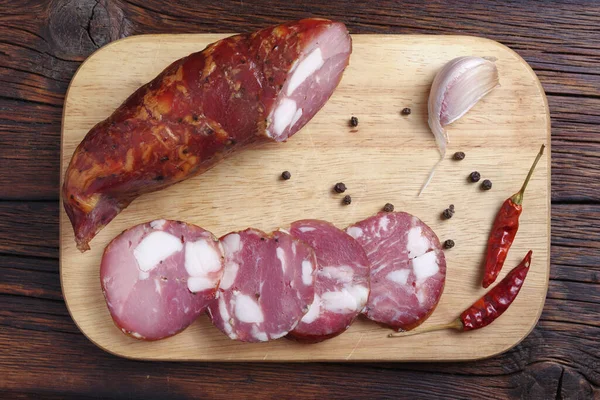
[43,354]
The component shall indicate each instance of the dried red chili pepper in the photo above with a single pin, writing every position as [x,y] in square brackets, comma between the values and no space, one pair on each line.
[504,230]
[489,307]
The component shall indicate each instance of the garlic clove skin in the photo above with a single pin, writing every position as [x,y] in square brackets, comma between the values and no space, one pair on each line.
[440,134]
[456,88]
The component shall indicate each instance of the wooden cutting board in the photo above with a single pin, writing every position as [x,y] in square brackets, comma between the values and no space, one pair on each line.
[386,159]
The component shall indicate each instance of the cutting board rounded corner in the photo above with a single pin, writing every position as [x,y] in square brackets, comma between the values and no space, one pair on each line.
[532,73]
[107,71]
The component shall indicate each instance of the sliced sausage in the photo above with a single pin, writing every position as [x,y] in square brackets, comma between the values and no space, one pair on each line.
[408,268]
[262,86]
[158,277]
[341,284]
[267,286]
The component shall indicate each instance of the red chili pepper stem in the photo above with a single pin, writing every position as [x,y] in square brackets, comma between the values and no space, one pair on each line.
[517,198]
[456,324]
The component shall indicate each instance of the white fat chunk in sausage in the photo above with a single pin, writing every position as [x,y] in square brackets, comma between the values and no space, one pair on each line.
[143,275]
[284,113]
[383,223]
[134,334]
[154,248]
[281,257]
[297,116]
[258,334]
[399,276]
[224,313]
[229,275]
[247,310]
[355,232]
[340,302]
[425,266]
[420,296]
[360,293]
[158,223]
[305,229]
[417,243]
[313,312]
[231,244]
[307,272]
[199,283]
[278,335]
[343,273]
[305,68]
[201,258]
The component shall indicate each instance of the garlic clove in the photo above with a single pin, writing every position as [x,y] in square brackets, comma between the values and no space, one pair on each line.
[456,88]
[467,88]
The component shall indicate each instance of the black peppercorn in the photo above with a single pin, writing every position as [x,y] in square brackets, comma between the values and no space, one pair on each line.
[449,244]
[459,155]
[486,184]
[347,199]
[448,213]
[406,111]
[285,175]
[389,207]
[354,122]
[475,176]
[451,207]
[339,187]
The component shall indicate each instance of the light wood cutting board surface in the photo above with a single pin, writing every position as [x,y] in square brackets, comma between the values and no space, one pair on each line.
[386,159]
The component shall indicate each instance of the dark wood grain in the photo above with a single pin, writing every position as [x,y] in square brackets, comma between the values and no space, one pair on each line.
[43,354]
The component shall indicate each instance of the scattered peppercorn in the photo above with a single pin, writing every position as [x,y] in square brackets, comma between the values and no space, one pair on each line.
[459,155]
[285,175]
[486,184]
[448,244]
[339,187]
[389,207]
[475,176]
[448,213]
[347,199]
[406,111]
[354,122]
